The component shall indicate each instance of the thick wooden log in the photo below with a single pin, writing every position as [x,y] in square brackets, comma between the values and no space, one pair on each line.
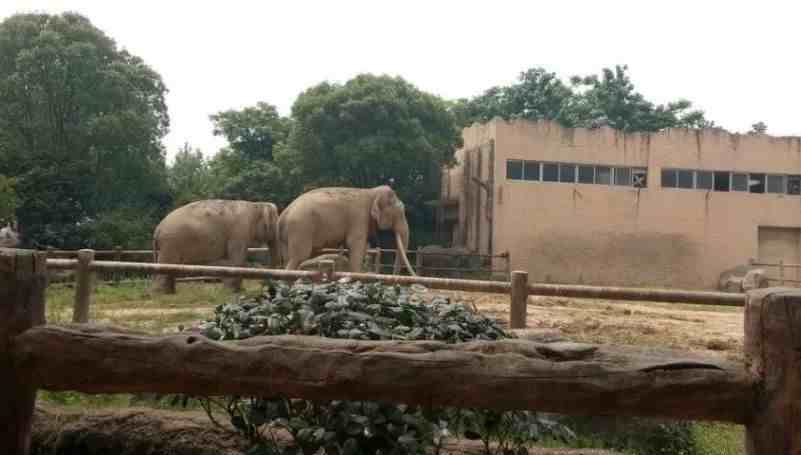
[772,345]
[510,374]
[84,286]
[639,294]
[518,302]
[23,279]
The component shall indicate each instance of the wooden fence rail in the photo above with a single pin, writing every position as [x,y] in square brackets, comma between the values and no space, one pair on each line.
[763,393]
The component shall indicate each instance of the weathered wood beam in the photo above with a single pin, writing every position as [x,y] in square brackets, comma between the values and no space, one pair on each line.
[772,352]
[510,374]
[638,294]
[23,279]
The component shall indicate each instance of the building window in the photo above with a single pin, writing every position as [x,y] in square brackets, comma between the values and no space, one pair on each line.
[603,175]
[586,174]
[567,173]
[669,178]
[703,180]
[794,184]
[739,182]
[639,177]
[686,179]
[756,183]
[722,181]
[531,171]
[550,172]
[777,184]
[622,176]
[514,170]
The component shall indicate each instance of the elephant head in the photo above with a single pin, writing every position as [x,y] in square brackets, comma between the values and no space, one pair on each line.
[389,213]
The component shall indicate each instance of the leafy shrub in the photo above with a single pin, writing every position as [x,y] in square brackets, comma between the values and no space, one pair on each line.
[366,312]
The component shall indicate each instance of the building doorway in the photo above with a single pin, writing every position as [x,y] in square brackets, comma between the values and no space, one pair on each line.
[780,244]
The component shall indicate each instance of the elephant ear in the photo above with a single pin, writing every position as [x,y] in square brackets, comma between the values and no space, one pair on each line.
[384,197]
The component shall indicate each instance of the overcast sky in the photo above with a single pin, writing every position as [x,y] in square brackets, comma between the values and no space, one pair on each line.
[736,60]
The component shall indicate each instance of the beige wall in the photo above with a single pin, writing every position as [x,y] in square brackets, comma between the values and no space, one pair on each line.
[598,234]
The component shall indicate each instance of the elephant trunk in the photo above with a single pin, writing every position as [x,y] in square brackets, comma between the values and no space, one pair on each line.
[402,239]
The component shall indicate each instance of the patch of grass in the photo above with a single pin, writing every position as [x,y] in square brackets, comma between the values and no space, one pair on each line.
[719,438]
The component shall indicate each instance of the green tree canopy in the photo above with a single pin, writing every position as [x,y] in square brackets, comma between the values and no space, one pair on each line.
[257,164]
[81,123]
[588,101]
[372,129]
[189,176]
[253,131]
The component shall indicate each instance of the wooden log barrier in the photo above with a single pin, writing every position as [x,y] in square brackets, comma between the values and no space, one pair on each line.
[509,374]
[773,356]
[23,279]
[518,301]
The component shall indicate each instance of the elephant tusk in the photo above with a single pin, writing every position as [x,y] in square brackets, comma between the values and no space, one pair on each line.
[402,250]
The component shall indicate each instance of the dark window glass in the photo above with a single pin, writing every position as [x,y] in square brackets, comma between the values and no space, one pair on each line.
[776,184]
[794,184]
[703,180]
[603,175]
[669,178]
[550,172]
[514,170]
[622,176]
[639,178]
[739,182]
[756,183]
[531,170]
[586,174]
[685,179]
[722,181]
[567,173]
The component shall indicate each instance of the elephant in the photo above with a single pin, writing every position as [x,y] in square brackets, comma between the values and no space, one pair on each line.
[330,217]
[9,236]
[439,257]
[213,232]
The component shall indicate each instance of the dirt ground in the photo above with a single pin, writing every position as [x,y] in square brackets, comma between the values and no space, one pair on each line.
[704,329]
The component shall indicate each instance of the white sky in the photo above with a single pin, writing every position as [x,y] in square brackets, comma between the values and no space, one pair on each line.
[736,60]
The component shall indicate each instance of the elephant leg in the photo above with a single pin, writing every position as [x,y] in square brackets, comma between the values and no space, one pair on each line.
[357,249]
[164,284]
[298,252]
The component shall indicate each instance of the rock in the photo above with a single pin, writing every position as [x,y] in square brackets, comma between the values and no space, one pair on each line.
[340,262]
[731,280]
[755,279]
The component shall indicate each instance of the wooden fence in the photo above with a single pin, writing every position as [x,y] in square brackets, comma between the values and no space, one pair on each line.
[781,268]
[764,393]
[375,257]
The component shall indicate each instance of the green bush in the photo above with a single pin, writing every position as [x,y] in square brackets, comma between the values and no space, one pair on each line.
[365,312]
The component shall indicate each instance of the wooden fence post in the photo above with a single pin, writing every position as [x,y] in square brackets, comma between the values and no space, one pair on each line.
[23,279]
[83,287]
[378,263]
[118,258]
[772,345]
[518,300]
[328,268]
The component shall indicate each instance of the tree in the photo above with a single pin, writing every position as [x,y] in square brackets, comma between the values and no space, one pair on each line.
[589,101]
[189,176]
[370,130]
[253,131]
[80,125]
[758,128]
[257,164]
[8,199]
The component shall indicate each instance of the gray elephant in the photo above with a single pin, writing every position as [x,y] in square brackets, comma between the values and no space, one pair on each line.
[440,257]
[213,232]
[330,217]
